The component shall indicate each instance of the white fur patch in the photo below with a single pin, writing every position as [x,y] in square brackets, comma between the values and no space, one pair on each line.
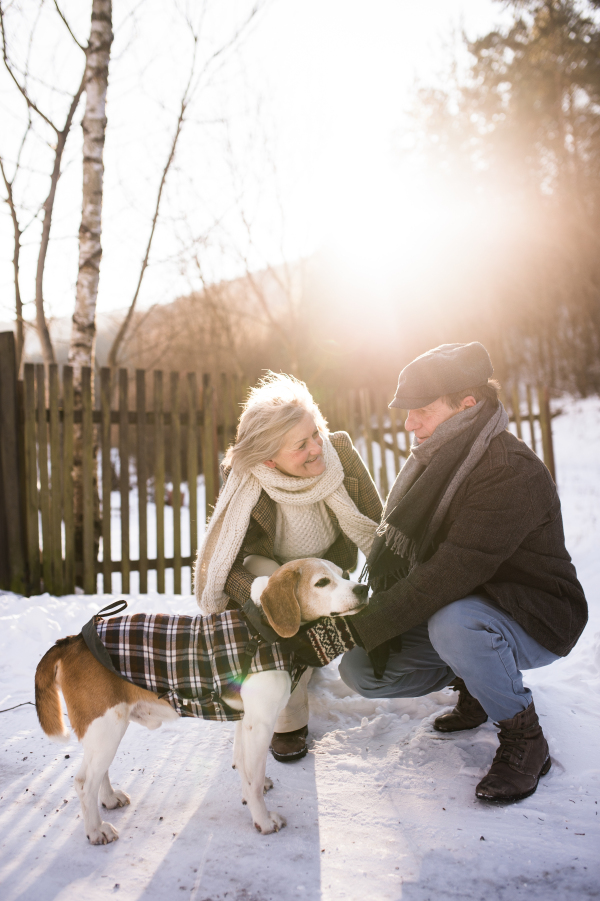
[258,586]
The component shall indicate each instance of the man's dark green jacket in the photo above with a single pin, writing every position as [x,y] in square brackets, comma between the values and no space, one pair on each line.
[503,536]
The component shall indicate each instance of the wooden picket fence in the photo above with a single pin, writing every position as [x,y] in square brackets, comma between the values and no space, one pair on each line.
[162,431]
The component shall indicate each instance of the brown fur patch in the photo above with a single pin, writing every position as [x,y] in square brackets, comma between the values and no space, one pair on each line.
[88,688]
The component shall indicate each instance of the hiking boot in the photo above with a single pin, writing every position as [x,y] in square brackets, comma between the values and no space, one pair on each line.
[520,760]
[468,713]
[289,746]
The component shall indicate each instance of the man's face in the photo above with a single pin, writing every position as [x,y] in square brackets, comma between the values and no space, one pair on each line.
[424,422]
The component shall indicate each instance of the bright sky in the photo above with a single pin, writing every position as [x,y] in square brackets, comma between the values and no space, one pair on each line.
[297,131]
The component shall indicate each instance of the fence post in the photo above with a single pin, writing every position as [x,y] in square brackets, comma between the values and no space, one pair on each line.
[68,492]
[31,479]
[42,437]
[210,452]
[87,478]
[142,476]
[159,479]
[546,426]
[124,475]
[516,405]
[55,482]
[176,480]
[12,545]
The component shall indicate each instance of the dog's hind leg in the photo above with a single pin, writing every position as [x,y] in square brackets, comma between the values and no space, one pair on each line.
[112,797]
[100,744]
[264,695]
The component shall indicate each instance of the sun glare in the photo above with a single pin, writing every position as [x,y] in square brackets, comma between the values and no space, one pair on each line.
[388,224]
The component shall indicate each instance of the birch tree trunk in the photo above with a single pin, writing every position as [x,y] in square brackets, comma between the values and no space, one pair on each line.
[83,333]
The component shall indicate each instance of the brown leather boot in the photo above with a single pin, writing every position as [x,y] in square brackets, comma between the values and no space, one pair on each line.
[468,713]
[520,760]
[289,746]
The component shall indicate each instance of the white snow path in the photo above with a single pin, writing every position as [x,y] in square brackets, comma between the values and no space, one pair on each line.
[382,807]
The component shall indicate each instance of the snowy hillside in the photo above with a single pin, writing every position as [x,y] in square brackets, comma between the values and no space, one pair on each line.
[382,808]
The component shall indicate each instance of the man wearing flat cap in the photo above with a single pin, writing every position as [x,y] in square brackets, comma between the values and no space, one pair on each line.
[471,579]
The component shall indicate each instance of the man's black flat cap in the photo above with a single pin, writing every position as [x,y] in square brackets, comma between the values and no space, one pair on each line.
[443,370]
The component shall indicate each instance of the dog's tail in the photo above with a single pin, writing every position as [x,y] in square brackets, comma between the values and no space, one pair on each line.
[47,700]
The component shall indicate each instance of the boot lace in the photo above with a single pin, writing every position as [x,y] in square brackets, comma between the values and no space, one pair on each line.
[512,747]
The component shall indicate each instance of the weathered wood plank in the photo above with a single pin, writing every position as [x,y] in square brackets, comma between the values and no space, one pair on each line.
[124,474]
[134,565]
[42,435]
[225,404]
[403,417]
[13,541]
[365,409]
[394,433]
[87,478]
[192,461]
[516,406]
[352,415]
[55,482]
[531,417]
[176,476]
[159,480]
[31,480]
[546,428]
[209,445]
[142,476]
[383,475]
[68,490]
[105,444]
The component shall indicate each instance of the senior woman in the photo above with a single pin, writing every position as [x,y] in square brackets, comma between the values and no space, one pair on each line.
[291,490]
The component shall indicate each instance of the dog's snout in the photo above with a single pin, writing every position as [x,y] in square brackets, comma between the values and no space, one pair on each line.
[361,592]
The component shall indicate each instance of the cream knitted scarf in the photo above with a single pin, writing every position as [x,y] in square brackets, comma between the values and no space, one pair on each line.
[231,517]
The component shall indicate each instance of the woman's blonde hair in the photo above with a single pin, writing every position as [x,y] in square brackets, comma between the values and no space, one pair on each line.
[273,407]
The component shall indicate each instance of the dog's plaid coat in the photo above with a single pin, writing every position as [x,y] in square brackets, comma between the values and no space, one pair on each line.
[189,660]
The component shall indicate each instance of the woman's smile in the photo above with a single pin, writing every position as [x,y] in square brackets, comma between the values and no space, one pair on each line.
[302,453]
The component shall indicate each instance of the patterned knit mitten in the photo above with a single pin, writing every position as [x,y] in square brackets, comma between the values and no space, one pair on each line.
[318,643]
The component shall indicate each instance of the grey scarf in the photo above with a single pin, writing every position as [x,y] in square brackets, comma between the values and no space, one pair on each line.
[426,485]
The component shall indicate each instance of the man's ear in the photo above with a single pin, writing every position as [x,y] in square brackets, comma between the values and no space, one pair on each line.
[468,401]
[280,604]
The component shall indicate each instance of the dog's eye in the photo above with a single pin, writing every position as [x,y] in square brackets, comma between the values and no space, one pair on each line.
[322,583]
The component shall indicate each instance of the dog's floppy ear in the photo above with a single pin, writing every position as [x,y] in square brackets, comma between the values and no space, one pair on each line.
[280,603]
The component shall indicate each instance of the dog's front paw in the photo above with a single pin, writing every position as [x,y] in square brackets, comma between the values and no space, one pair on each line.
[104,834]
[273,823]
[117,799]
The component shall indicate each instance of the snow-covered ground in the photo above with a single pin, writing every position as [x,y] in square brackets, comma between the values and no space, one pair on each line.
[383,807]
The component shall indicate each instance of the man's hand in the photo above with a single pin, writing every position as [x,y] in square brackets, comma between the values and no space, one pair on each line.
[320,642]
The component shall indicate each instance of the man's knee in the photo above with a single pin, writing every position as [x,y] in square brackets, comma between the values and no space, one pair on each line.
[454,627]
[356,670]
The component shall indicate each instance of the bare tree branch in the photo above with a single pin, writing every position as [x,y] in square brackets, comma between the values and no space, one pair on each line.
[17,249]
[48,208]
[116,345]
[188,94]
[68,27]
[22,88]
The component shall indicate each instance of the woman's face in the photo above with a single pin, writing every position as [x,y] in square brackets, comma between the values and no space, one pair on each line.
[302,451]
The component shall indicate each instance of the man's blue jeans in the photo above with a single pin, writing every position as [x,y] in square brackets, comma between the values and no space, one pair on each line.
[470,638]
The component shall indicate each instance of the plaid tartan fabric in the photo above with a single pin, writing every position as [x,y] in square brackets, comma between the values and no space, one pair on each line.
[189,660]
[260,537]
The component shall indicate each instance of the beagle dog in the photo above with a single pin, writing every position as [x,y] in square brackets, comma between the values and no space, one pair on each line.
[100,704]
